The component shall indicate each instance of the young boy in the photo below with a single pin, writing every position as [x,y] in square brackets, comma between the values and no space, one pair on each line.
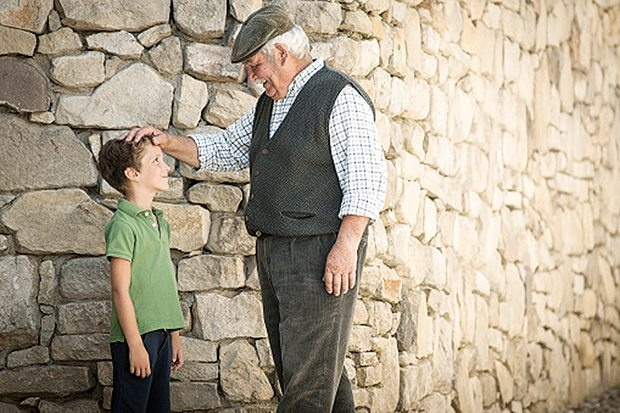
[146,315]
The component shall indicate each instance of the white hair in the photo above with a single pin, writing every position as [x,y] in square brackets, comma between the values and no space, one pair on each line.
[295,40]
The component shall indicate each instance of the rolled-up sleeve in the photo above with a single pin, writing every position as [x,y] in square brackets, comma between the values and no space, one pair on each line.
[357,154]
[228,150]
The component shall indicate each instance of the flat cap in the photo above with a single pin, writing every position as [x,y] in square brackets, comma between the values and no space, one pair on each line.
[260,27]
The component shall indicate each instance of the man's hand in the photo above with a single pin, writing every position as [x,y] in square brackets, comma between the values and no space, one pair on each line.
[340,268]
[135,135]
[180,147]
[341,264]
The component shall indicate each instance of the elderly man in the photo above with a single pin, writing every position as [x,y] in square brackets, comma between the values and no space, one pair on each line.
[317,179]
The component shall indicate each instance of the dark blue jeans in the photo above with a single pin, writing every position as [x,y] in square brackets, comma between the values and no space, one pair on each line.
[151,394]
[308,328]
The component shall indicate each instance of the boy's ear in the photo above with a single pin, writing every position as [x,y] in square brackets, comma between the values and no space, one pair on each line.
[131,173]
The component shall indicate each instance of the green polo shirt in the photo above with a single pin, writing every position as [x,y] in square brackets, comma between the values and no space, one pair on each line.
[131,234]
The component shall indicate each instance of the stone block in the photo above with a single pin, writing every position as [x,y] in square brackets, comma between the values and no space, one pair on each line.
[60,381]
[19,312]
[208,272]
[85,278]
[241,377]
[111,107]
[212,23]
[229,236]
[219,317]
[81,347]
[135,16]
[61,221]
[84,317]
[68,161]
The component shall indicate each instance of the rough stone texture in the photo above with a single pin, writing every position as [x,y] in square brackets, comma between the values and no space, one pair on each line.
[219,317]
[491,278]
[73,222]
[218,198]
[75,406]
[200,19]
[190,98]
[81,347]
[119,103]
[167,57]
[85,278]
[23,86]
[67,161]
[19,323]
[121,44]
[189,225]
[29,15]
[242,378]
[16,41]
[212,63]
[59,381]
[154,35]
[131,16]
[228,105]
[229,236]
[194,396]
[208,272]
[29,356]
[85,70]
[61,42]
[84,317]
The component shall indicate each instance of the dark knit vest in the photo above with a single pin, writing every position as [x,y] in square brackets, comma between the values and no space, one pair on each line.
[294,189]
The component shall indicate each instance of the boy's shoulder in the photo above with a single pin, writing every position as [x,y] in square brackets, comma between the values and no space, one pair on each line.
[120,219]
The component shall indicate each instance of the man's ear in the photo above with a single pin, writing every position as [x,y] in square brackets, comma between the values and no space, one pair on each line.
[280,53]
[131,173]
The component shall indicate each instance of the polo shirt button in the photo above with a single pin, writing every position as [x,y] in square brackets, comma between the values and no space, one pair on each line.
[264,151]
[258,233]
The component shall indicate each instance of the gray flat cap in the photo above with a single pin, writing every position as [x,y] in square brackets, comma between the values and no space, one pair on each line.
[260,27]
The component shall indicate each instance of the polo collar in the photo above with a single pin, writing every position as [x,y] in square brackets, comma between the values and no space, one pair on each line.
[131,209]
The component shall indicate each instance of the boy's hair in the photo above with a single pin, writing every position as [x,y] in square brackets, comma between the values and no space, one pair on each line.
[116,156]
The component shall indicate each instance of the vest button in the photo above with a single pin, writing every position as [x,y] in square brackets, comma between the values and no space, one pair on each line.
[258,234]
[264,151]
[256,173]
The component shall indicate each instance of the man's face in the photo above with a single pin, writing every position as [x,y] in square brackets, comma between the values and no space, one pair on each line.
[271,72]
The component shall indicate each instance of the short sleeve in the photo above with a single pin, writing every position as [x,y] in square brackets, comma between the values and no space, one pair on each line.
[120,240]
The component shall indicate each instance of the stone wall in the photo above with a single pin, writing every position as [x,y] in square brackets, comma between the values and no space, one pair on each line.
[492,282]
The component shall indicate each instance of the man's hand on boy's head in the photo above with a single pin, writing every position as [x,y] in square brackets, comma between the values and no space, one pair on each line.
[136,134]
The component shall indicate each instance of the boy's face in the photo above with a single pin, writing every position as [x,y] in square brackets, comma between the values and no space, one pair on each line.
[153,173]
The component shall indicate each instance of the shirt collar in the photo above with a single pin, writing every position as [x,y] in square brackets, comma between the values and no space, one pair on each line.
[302,77]
[131,209]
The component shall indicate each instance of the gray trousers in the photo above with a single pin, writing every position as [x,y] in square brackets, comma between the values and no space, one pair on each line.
[308,328]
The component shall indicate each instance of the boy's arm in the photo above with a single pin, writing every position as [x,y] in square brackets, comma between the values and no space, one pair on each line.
[138,356]
[177,351]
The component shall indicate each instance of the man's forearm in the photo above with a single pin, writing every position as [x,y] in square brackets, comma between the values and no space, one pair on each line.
[182,148]
[351,230]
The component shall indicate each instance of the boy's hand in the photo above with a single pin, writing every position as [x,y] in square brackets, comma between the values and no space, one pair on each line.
[177,352]
[158,137]
[139,363]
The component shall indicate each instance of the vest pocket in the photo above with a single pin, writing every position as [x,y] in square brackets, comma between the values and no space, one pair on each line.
[297,214]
